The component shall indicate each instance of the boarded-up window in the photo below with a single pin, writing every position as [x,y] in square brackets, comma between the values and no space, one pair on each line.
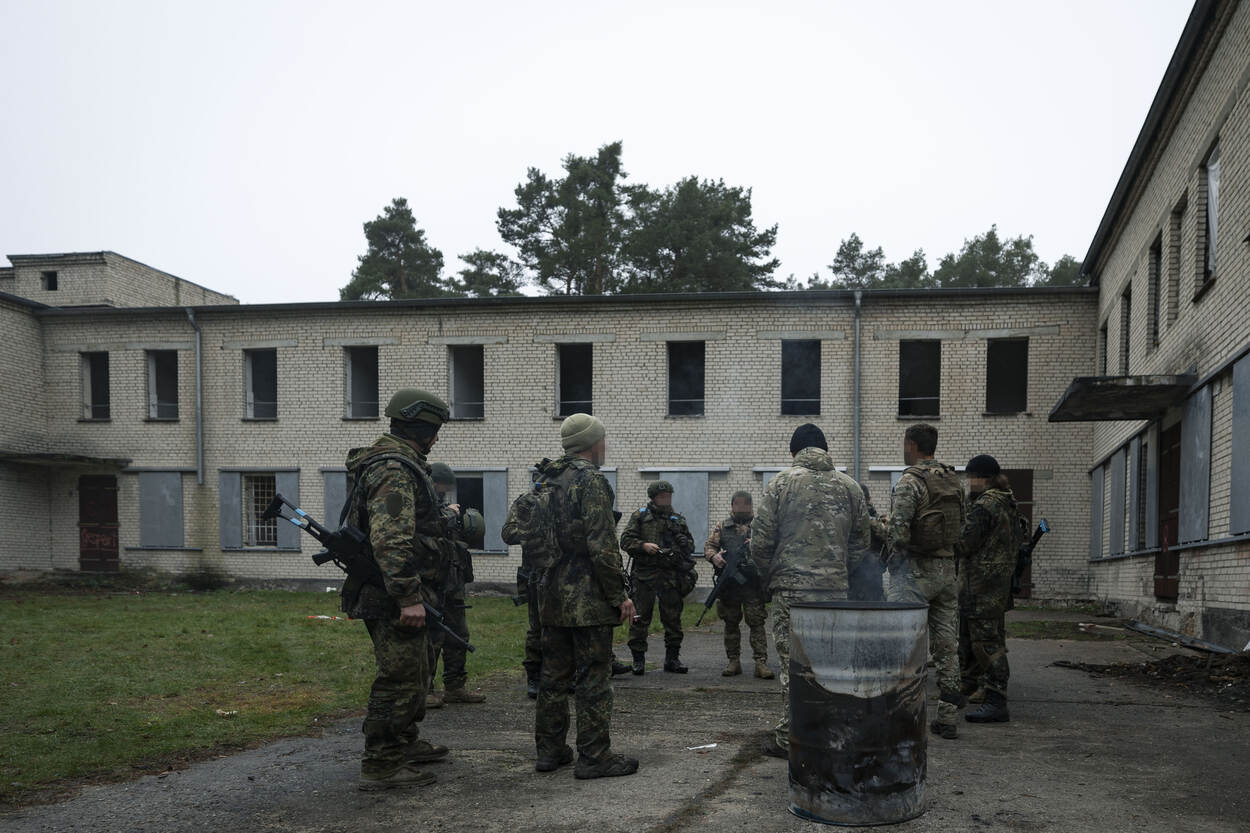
[467,365]
[1239,485]
[1097,493]
[919,378]
[160,509]
[334,495]
[162,384]
[242,498]
[685,378]
[361,382]
[1007,376]
[95,385]
[260,379]
[575,374]
[800,377]
[1196,467]
[1116,475]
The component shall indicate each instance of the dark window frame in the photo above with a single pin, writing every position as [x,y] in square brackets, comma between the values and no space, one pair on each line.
[915,373]
[575,375]
[96,393]
[460,356]
[162,408]
[682,359]
[361,400]
[1006,387]
[800,377]
[256,408]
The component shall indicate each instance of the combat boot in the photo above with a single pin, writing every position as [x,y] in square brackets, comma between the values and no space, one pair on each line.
[434,700]
[531,686]
[619,668]
[733,669]
[944,730]
[552,764]
[763,671]
[640,663]
[404,776]
[462,695]
[672,662]
[421,751]
[993,710]
[977,697]
[608,767]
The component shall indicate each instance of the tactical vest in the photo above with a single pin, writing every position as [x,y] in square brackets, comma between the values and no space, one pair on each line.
[937,524]
[730,538]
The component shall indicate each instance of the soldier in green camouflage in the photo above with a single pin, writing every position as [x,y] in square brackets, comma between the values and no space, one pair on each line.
[811,522]
[581,600]
[660,544]
[738,601]
[987,551]
[926,518]
[529,579]
[394,503]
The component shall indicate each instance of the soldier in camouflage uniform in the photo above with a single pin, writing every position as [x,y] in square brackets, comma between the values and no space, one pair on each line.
[529,579]
[738,601]
[394,503]
[926,517]
[660,544]
[865,575]
[459,573]
[811,522]
[581,600]
[987,549]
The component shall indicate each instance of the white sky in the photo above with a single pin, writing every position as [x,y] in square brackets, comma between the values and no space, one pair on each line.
[242,144]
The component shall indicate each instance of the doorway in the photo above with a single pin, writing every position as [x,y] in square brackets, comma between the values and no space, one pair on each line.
[97,523]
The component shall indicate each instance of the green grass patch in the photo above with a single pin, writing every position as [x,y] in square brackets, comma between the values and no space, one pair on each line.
[1054,629]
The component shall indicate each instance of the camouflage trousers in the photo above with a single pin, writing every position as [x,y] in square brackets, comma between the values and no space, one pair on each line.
[581,657]
[924,580]
[397,698]
[533,661]
[982,629]
[454,654]
[646,592]
[782,600]
[732,611]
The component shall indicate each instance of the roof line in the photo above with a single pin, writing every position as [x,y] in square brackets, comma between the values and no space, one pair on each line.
[99,257]
[25,302]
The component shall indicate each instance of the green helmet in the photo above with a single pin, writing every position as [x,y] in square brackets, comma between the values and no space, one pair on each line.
[414,405]
[473,526]
[442,475]
[659,486]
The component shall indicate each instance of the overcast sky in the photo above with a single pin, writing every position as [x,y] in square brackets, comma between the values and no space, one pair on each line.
[241,145]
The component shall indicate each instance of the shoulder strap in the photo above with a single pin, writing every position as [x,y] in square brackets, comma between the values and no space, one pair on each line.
[370,463]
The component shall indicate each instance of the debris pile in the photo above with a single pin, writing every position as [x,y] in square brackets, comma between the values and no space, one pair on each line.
[1223,678]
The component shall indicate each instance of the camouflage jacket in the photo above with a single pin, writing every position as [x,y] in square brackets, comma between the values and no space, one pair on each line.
[987,550]
[723,535]
[907,497]
[664,527]
[460,571]
[585,586]
[513,526]
[811,521]
[403,518]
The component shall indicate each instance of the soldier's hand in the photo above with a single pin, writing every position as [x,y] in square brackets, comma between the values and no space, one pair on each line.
[651,549]
[627,610]
[455,507]
[718,560]
[412,616]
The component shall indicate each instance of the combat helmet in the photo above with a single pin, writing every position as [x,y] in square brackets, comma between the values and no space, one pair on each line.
[416,405]
[657,487]
[442,475]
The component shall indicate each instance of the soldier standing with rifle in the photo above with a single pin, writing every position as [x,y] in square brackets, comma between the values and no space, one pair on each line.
[660,544]
[737,601]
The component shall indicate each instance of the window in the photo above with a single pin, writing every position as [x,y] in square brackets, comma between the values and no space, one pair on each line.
[362,382]
[160,509]
[261,383]
[1154,298]
[468,381]
[1126,328]
[162,384]
[95,386]
[1239,480]
[1103,346]
[469,493]
[1007,376]
[1175,224]
[685,378]
[919,378]
[574,371]
[800,377]
[487,492]
[1211,182]
[258,491]
[48,281]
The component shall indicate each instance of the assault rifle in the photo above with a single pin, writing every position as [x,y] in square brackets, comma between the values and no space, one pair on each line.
[351,552]
[1024,556]
[736,570]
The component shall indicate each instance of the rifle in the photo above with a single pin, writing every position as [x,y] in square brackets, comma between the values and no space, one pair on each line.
[1024,556]
[735,570]
[524,575]
[351,552]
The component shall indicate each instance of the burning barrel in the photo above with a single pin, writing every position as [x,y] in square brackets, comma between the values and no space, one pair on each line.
[857,711]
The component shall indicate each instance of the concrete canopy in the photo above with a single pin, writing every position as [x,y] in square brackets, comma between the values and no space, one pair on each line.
[1110,398]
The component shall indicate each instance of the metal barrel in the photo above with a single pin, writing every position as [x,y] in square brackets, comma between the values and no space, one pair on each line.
[857,711]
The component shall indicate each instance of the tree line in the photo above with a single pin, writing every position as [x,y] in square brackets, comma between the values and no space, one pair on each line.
[589,232]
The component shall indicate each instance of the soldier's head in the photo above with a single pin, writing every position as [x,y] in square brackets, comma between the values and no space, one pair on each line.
[741,507]
[444,478]
[661,494]
[807,435]
[983,472]
[919,443]
[584,435]
[416,415]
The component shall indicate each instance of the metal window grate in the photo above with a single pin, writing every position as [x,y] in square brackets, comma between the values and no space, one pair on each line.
[258,491]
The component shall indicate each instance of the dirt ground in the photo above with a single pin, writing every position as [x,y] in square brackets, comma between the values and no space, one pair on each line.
[1084,751]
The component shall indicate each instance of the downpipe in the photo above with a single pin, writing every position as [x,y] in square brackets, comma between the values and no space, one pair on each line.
[199,399]
[855,417]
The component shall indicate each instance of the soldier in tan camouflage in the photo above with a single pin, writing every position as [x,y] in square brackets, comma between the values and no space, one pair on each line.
[739,601]
[811,522]
[394,503]
[926,518]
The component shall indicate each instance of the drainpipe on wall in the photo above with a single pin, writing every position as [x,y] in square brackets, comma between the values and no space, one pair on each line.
[199,401]
[859,297]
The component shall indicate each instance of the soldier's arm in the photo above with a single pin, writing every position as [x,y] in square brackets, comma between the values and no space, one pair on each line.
[859,542]
[764,530]
[975,531]
[510,533]
[906,499]
[683,541]
[631,538]
[392,525]
[601,543]
[712,547]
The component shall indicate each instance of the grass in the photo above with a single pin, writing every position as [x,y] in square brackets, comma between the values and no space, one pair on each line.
[1052,629]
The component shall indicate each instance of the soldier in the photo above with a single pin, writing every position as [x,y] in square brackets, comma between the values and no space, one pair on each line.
[988,548]
[660,544]
[812,522]
[926,518]
[464,525]
[581,601]
[534,560]
[739,601]
[394,503]
[865,576]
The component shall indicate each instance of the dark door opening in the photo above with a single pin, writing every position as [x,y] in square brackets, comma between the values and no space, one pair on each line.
[1168,561]
[97,523]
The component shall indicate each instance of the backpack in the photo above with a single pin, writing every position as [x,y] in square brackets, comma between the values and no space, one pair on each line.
[534,519]
[938,522]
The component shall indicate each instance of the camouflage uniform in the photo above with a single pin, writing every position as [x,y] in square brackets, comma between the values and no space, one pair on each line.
[812,521]
[459,573]
[865,572]
[401,515]
[927,578]
[659,576]
[579,602]
[738,601]
[529,577]
[988,550]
